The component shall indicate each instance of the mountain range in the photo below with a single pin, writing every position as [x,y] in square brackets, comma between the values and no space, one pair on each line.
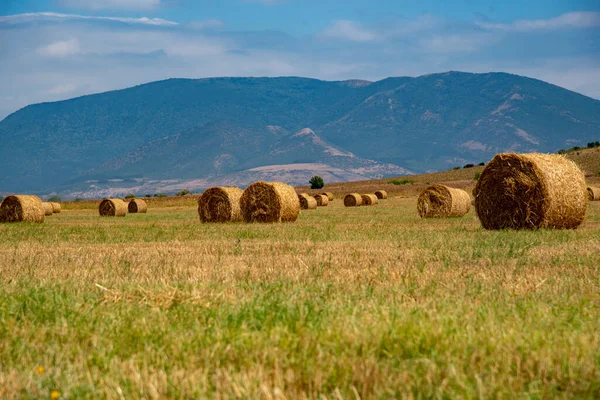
[195,133]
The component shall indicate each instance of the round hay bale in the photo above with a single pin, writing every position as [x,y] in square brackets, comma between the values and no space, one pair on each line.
[22,209]
[307,202]
[137,206]
[353,200]
[112,208]
[269,202]
[438,201]
[329,195]
[48,210]
[381,194]
[369,199]
[530,191]
[220,204]
[322,200]
[55,208]
[593,193]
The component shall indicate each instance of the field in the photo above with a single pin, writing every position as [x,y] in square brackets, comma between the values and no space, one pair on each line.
[346,303]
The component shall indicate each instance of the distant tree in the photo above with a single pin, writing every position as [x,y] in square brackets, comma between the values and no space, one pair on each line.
[455,168]
[182,193]
[574,148]
[469,165]
[477,175]
[54,199]
[160,195]
[130,196]
[148,195]
[79,199]
[481,164]
[591,145]
[316,182]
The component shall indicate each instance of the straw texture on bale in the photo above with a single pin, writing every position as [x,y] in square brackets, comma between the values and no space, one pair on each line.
[593,193]
[55,208]
[381,194]
[220,204]
[530,191]
[329,195]
[369,199]
[112,208]
[438,201]
[269,202]
[307,202]
[48,210]
[22,209]
[322,200]
[137,206]
[353,200]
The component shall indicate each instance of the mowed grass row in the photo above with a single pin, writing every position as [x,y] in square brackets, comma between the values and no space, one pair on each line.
[368,302]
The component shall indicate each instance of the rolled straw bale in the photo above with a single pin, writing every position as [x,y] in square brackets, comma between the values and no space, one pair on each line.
[381,194]
[322,200]
[329,195]
[269,202]
[369,199]
[137,206]
[529,191]
[220,204]
[353,200]
[47,208]
[307,202]
[442,201]
[112,208]
[55,208]
[593,193]
[22,209]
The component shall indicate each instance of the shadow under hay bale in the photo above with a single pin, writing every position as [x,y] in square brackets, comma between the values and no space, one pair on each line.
[137,206]
[112,208]
[329,195]
[369,199]
[353,200]
[438,201]
[530,191]
[220,204]
[322,200]
[593,193]
[381,194]
[48,210]
[22,209]
[307,202]
[269,202]
[56,208]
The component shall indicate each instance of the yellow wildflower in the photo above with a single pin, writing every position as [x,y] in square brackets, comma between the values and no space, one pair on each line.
[55,394]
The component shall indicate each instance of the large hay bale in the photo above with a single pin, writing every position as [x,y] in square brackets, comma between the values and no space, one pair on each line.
[112,208]
[48,210]
[220,204]
[307,202]
[381,194]
[369,199]
[593,193]
[55,207]
[353,200]
[529,191]
[329,195]
[22,209]
[269,202]
[322,200]
[137,206]
[438,201]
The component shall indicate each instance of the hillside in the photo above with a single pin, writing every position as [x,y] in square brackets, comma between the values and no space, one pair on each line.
[182,133]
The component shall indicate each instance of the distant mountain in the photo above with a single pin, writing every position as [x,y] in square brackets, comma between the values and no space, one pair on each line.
[182,133]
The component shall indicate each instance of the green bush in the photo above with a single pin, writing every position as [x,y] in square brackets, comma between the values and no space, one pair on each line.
[481,164]
[160,195]
[402,182]
[130,196]
[316,182]
[79,199]
[182,193]
[148,195]
[591,145]
[477,175]
[54,199]
[455,168]
[469,165]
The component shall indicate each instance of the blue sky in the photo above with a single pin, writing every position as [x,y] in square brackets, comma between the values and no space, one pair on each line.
[57,49]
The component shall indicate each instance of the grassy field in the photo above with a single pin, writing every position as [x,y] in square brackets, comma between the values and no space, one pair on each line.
[346,303]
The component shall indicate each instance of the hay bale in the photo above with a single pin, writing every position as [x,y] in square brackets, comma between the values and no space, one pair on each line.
[220,204]
[22,209]
[322,200]
[442,201]
[137,206]
[353,200]
[593,193]
[369,199]
[269,202]
[381,194]
[329,195]
[48,210]
[530,191]
[307,202]
[56,208]
[112,208]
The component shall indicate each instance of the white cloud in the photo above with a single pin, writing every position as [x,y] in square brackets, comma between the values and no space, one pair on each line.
[112,4]
[456,43]
[349,30]
[574,20]
[61,48]
[51,16]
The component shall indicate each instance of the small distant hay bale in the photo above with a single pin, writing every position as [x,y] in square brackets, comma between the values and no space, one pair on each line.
[112,208]
[329,195]
[22,209]
[531,191]
[307,202]
[369,199]
[381,194]
[322,200]
[353,200]
[48,210]
[56,208]
[269,202]
[137,206]
[438,201]
[220,204]
[593,193]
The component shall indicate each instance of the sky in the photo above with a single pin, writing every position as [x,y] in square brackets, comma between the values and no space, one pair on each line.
[58,49]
